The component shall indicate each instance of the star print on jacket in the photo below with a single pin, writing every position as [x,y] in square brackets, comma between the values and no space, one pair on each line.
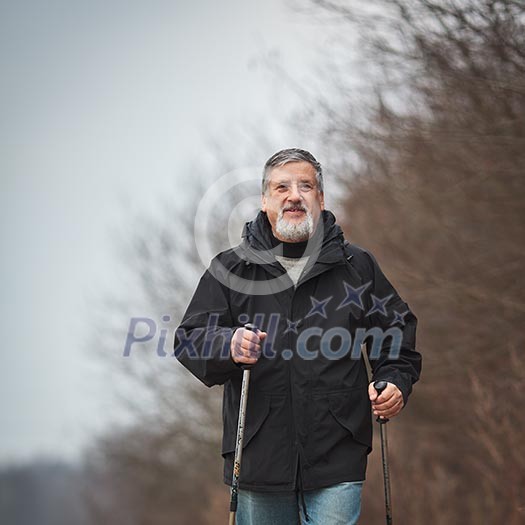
[379,305]
[292,326]
[353,295]
[399,318]
[318,307]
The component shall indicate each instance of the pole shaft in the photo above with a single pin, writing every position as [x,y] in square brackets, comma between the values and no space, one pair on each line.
[238,445]
[386,473]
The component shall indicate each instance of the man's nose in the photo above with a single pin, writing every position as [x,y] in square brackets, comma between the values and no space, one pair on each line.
[294,193]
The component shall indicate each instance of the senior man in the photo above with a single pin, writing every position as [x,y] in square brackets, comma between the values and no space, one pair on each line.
[311,295]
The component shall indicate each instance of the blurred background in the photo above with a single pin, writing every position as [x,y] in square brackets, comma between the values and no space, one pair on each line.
[117,118]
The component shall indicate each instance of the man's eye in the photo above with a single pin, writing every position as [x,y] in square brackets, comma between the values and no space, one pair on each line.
[306,187]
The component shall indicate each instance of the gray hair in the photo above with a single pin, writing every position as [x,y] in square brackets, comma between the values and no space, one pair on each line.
[292,155]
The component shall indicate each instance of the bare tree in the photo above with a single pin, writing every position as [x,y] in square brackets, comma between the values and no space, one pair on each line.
[434,178]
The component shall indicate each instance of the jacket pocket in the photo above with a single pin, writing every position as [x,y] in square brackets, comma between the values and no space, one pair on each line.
[257,410]
[341,426]
[352,412]
[267,454]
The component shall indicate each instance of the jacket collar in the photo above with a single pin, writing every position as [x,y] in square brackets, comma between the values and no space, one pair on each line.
[326,244]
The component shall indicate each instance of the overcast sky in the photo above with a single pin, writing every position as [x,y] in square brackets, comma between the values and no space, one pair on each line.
[101,103]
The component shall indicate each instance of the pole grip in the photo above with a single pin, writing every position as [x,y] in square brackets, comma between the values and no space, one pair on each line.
[380,386]
[252,328]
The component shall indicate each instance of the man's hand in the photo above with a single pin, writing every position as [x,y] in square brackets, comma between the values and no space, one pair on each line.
[245,346]
[389,403]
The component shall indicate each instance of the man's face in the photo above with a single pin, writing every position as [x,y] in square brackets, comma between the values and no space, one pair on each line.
[293,202]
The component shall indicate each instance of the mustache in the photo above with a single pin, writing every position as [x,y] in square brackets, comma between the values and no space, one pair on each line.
[295,207]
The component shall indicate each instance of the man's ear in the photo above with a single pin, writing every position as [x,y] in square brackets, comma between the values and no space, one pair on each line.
[322,201]
[263,202]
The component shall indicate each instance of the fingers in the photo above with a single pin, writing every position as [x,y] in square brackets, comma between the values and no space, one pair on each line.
[373,395]
[390,412]
[387,394]
[245,345]
[372,392]
[389,403]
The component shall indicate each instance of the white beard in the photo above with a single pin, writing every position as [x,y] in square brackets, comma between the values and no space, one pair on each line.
[295,232]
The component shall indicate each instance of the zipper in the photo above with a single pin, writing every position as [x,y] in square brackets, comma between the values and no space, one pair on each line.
[290,386]
[298,478]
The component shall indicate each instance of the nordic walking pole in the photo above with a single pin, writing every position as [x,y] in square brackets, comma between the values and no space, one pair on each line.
[240,436]
[380,386]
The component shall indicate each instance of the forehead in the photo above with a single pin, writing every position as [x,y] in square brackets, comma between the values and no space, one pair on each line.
[293,171]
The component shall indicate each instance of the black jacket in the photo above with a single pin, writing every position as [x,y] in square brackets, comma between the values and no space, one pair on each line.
[308,421]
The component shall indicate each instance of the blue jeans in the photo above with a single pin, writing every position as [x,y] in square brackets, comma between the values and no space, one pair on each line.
[336,505]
